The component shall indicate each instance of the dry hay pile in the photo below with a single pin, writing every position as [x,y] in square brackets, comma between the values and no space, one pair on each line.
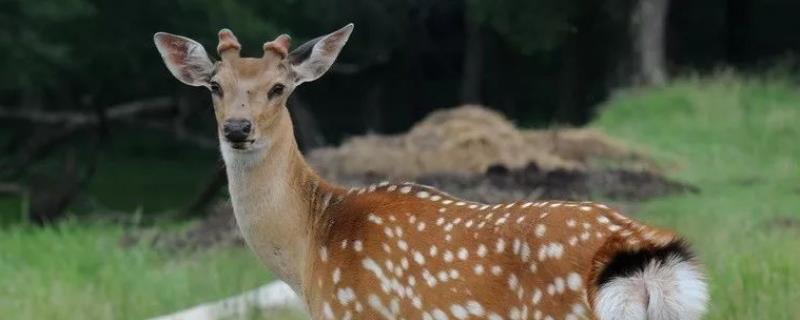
[468,140]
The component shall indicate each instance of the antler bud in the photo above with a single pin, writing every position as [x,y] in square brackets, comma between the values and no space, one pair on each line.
[228,44]
[279,46]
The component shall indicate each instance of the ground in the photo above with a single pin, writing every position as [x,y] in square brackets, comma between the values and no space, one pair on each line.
[732,137]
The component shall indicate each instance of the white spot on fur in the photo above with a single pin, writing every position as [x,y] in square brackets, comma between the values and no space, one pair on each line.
[500,246]
[463,253]
[402,245]
[459,311]
[478,269]
[573,241]
[345,295]
[448,256]
[418,258]
[475,308]
[438,314]
[526,204]
[497,270]
[536,296]
[376,304]
[327,311]
[525,252]
[323,254]
[559,283]
[375,219]
[481,252]
[540,230]
[513,282]
[571,223]
[337,275]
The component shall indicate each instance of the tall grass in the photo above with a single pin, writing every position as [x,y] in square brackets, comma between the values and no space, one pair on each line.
[81,272]
[738,139]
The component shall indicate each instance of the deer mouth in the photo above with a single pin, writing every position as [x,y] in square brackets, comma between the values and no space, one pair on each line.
[243,145]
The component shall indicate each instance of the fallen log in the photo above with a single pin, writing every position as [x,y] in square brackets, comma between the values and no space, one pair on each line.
[276,295]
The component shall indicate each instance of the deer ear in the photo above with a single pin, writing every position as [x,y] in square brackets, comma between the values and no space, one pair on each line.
[312,59]
[185,58]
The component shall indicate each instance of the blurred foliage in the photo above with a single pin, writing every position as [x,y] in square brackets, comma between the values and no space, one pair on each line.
[404,60]
[537,25]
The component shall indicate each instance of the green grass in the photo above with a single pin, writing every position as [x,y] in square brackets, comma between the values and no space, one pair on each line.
[736,139]
[81,272]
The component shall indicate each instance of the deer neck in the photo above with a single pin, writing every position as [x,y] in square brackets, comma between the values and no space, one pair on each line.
[275,197]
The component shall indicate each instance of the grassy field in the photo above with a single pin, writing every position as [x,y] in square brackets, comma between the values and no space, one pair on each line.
[735,139]
[81,272]
[738,141]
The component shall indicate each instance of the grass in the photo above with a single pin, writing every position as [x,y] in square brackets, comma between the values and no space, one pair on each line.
[736,139]
[733,137]
[80,272]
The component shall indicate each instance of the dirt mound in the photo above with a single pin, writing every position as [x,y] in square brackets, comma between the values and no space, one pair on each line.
[468,140]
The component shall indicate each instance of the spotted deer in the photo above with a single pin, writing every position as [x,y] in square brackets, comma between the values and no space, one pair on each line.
[408,251]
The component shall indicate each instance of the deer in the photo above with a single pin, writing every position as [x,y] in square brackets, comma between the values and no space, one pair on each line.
[398,251]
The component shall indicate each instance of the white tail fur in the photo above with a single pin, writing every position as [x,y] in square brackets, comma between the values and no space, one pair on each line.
[672,289]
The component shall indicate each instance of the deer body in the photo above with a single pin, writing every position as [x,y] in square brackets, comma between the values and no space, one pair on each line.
[406,251]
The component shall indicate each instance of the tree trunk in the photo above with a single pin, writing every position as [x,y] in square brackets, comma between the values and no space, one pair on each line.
[648,24]
[472,71]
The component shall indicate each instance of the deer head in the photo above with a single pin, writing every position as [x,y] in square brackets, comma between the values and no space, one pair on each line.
[249,94]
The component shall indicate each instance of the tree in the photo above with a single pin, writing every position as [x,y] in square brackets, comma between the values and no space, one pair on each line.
[648,26]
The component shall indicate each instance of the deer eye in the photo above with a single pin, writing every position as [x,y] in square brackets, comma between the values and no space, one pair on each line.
[275,91]
[216,89]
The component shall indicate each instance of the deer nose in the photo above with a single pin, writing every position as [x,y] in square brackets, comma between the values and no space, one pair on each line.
[237,130]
